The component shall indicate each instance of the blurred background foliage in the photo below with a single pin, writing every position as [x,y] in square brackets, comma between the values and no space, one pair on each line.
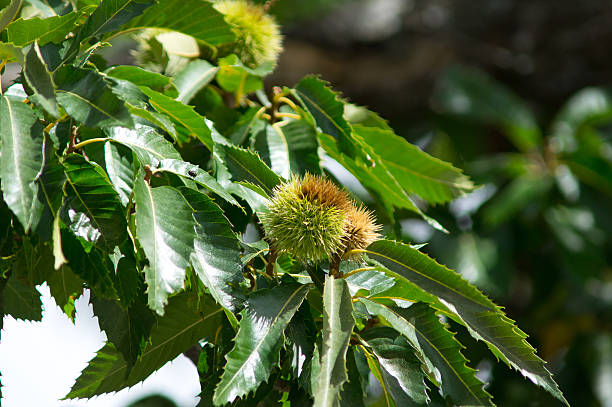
[517,93]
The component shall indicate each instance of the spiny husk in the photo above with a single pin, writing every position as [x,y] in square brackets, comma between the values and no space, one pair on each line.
[258,37]
[311,218]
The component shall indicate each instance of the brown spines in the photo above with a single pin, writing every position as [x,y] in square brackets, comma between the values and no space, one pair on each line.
[313,188]
[360,229]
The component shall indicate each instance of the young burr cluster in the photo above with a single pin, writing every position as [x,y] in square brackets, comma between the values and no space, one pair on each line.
[312,219]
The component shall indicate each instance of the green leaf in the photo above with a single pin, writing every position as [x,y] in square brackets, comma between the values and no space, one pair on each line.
[166,237]
[259,340]
[88,98]
[92,266]
[149,146]
[352,393]
[22,149]
[400,368]
[127,329]
[244,165]
[142,77]
[301,140]
[65,288]
[110,16]
[39,78]
[416,172]
[189,122]
[274,148]
[94,211]
[233,76]
[23,32]
[216,255]
[327,110]
[471,94]
[196,18]
[451,294]
[8,13]
[198,175]
[338,326]
[184,324]
[120,169]
[438,348]
[192,78]
[20,300]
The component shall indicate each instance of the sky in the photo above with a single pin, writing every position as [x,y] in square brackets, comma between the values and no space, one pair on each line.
[40,361]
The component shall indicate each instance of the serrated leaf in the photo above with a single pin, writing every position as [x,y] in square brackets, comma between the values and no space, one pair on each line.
[20,300]
[451,294]
[192,78]
[244,165]
[192,17]
[471,94]
[39,78]
[327,110]
[120,169]
[127,329]
[376,179]
[94,266]
[166,237]
[438,348]
[275,149]
[89,99]
[198,175]
[400,368]
[149,146]
[22,149]
[94,211]
[65,287]
[338,326]
[184,324]
[416,172]
[189,122]
[259,340]
[23,32]
[301,139]
[216,255]
[373,281]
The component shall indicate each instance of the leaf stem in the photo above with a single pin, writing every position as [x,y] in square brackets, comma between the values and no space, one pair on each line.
[289,115]
[90,141]
[288,101]
[54,123]
[2,64]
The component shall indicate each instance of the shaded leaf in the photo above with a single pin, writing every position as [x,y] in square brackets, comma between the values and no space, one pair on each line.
[438,348]
[9,12]
[400,368]
[20,300]
[127,329]
[259,340]
[184,324]
[65,287]
[22,149]
[142,77]
[216,255]
[89,99]
[338,325]
[110,16]
[120,169]
[166,237]
[352,394]
[93,208]
[39,78]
